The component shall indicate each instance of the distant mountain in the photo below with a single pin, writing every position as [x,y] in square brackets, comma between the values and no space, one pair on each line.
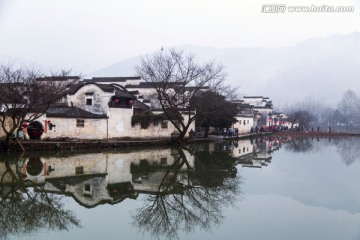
[322,68]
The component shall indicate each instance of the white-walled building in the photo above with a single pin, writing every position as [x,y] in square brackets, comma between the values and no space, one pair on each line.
[260,106]
[103,108]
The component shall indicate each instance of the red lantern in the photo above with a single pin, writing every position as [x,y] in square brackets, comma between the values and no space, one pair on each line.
[25,125]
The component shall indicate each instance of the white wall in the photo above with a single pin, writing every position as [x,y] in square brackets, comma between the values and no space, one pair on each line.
[244,128]
[66,127]
[120,126]
[100,99]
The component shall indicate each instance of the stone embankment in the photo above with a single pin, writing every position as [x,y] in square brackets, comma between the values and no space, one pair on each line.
[68,144]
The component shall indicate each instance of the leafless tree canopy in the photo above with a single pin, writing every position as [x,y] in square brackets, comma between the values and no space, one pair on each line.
[349,108]
[176,78]
[301,113]
[26,94]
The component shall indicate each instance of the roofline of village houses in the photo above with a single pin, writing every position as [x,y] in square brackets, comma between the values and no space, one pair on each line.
[83,101]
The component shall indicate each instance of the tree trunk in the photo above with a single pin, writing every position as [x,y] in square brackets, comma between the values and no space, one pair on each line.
[207,128]
[7,143]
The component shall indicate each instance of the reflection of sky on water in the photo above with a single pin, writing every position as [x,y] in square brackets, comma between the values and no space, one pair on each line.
[316,178]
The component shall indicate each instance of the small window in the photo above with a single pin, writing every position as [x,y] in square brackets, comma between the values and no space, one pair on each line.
[89,98]
[87,190]
[79,170]
[248,121]
[164,124]
[80,123]
[239,121]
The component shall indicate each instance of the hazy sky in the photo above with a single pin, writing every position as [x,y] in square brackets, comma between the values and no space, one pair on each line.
[87,35]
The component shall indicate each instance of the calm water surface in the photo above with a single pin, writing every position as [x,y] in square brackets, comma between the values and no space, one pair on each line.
[259,189]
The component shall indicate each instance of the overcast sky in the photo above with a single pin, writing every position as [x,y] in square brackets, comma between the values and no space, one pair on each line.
[87,35]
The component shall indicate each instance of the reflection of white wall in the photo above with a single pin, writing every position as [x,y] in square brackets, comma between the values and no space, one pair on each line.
[244,147]
[115,165]
[98,170]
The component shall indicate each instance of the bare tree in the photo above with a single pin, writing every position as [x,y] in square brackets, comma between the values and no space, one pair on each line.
[177,77]
[349,107]
[300,113]
[26,94]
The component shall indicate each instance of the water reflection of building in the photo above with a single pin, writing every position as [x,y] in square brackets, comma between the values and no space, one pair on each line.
[96,178]
[254,152]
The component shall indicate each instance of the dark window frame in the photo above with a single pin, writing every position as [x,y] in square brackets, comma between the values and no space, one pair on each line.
[164,124]
[80,123]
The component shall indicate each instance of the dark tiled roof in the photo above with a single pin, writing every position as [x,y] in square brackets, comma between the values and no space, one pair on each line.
[134,92]
[58,78]
[71,112]
[151,84]
[256,97]
[124,94]
[194,88]
[111,79]
[140,105]
[106,87]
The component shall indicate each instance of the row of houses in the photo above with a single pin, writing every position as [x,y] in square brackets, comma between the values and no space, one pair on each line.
[103,108]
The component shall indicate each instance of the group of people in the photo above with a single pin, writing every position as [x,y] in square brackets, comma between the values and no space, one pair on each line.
[231,132]
[262,129]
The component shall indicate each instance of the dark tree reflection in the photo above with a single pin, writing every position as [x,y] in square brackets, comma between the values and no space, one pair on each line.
[193,200]
[349,150]
[299,145]
[25,208]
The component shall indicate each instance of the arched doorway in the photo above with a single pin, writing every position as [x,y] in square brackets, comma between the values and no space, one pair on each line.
[35,130]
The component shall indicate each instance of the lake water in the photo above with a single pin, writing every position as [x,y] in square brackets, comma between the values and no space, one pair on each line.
[260,189]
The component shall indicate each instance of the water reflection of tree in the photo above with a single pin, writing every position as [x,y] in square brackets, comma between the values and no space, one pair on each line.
[299,145]
[349,150]
[196,202]
[26,208]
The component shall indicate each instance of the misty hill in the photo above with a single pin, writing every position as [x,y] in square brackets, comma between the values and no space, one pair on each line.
[321,68]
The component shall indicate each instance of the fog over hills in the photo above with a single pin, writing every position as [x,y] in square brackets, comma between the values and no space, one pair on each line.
[320,68]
